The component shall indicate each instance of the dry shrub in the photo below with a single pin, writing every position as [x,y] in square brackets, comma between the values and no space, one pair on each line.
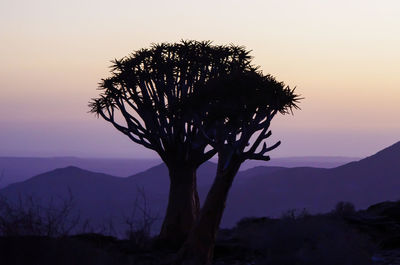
[29,216]
[140,221]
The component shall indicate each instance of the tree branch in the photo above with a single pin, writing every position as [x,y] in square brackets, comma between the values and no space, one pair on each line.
[261,155]
[207,156]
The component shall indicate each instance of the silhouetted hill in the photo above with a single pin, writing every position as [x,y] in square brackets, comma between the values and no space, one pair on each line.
[156,178]
[302,161]
[260,191]
[370,180]
[99,196]
[16,169]
[387,158]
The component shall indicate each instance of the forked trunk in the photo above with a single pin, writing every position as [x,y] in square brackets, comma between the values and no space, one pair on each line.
[183,207]
[199,247]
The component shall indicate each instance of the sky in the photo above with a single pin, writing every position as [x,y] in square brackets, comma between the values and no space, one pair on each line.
[342,56]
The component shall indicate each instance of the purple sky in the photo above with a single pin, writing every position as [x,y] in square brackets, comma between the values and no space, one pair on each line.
[343,56]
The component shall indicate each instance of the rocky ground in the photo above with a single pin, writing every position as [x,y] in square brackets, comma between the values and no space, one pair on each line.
[382,223]
[386,257]
[371,236]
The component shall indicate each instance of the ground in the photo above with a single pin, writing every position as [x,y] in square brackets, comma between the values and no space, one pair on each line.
[344,236]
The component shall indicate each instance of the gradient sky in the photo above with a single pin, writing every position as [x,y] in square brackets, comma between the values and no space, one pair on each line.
[343,57]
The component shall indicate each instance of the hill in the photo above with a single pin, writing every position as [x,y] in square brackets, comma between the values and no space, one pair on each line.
[17,169]
[260,191]
[100,197]
[365,182]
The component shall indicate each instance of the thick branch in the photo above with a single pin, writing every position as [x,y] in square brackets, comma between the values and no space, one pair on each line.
[207,156]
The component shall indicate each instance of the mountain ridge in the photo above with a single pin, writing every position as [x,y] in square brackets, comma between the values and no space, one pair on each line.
[260,191]
[16,169]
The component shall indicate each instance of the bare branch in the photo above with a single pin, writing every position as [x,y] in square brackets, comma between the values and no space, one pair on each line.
[262,136]
[261,155]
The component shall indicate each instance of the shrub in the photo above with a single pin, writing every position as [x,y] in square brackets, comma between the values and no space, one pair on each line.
[344,209]
[27,216]
[140,221]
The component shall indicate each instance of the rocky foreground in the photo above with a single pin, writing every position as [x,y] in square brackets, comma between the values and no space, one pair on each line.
[370,236]
[382,223]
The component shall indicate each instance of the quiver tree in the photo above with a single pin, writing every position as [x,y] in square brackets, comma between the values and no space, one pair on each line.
[241,107]
[137,101]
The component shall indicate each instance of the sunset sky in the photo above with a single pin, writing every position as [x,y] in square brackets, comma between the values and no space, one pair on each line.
[343,56]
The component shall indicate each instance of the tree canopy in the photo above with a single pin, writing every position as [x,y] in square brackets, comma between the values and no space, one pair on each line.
[239,105]
[138,96]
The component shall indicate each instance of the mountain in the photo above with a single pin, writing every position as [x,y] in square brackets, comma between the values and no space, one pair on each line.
[156,178]
[99,197]
[260,191]
[96,196]
[365,182]
[16,169]
[302,161]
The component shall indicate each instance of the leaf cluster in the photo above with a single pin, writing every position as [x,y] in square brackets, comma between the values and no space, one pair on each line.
[149,86]
[184,96]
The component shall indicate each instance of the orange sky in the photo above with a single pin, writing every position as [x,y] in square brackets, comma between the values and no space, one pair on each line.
[343,56]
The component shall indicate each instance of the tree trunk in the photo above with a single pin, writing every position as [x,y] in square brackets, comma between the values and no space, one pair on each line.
[199,247]
[183,207]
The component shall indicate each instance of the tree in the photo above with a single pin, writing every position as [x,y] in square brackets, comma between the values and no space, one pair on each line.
[241,105]
[137,101]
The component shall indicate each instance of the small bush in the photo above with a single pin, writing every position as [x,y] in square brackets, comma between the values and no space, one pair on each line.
[294,214]
[29,217]
[140,221]
[344,209]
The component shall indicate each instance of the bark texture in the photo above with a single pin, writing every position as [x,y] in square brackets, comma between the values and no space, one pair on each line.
[199,247]
[183,207]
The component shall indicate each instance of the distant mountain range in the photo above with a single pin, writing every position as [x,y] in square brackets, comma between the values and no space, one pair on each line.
[16,169]
[368,181]
[100,197]
[260,191]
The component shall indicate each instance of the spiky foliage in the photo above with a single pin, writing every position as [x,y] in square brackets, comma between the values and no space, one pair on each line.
[137,98]
[241,105]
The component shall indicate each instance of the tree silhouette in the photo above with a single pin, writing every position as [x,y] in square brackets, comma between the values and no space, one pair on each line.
[240,105]
[142,99]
